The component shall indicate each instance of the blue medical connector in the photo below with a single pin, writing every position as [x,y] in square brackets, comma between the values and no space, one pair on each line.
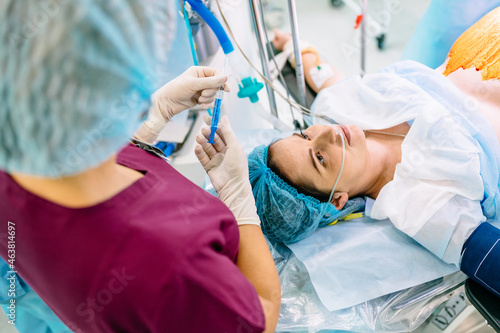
[249,87]
[167,147]
[213,23]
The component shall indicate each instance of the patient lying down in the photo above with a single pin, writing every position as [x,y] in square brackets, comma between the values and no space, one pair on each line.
[423,143]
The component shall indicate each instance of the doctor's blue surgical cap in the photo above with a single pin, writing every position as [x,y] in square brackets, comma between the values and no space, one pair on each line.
[76,79]
[289,216]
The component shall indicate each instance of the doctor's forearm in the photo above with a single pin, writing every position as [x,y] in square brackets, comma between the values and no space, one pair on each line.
[256,263]
[159,115]
[144,134]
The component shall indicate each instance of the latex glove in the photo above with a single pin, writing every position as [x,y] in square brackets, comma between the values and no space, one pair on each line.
[197,85]
[227,166]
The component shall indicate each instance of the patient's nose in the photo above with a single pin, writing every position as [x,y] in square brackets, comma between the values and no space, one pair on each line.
[326,136]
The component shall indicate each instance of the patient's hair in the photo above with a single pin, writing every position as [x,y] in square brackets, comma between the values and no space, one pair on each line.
[303,188]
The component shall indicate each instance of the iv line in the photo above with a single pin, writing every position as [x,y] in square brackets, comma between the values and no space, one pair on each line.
[300,108]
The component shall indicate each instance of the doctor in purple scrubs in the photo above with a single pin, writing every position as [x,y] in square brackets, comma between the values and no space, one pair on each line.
[107,233]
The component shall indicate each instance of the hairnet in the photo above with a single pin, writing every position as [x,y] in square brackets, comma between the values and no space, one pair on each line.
[287,215]
[76,80]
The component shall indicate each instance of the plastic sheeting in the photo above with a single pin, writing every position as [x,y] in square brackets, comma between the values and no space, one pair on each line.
[358,260]
[402,311]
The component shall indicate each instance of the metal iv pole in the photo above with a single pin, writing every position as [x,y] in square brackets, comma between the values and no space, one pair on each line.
[299,68]
[363,36]
[264,57]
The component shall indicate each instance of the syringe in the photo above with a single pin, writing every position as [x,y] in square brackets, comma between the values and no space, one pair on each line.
[216,109]
[216,114]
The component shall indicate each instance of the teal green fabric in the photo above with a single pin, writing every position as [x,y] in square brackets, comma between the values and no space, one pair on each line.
[32,315]
[76,81]
[289,216]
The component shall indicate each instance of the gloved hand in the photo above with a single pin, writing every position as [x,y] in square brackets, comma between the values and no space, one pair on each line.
[197,85]
[226,164]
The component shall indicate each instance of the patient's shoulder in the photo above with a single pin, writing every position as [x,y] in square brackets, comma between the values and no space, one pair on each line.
[470,82]
[484,94]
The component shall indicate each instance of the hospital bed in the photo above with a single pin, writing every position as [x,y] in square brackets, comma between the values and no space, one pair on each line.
[307,304]
[364,246]
[401,311]
[302,307]
[485,302]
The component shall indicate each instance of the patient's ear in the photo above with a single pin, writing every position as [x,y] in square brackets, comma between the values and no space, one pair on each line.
[339,199]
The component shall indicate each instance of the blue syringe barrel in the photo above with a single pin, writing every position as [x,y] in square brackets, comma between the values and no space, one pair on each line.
[216,114]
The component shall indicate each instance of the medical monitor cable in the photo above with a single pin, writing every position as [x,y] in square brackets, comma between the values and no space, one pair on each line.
[282,79]
[300,108]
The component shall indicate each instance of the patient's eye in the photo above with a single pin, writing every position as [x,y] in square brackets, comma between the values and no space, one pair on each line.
[320,159]
[304,136]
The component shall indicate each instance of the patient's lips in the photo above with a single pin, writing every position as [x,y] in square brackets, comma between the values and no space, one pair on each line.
[346,133]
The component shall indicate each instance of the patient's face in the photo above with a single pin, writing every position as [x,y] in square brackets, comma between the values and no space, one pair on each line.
[315,157]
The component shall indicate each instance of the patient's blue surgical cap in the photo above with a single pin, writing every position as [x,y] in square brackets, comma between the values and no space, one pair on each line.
[76,79]
[289,216]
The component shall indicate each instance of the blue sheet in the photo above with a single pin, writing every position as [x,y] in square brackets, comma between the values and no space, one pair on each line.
[358,260]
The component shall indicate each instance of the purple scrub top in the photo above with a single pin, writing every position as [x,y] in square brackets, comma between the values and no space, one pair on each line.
[157,257]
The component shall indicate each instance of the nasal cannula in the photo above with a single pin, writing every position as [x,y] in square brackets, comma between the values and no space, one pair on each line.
[216,109]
